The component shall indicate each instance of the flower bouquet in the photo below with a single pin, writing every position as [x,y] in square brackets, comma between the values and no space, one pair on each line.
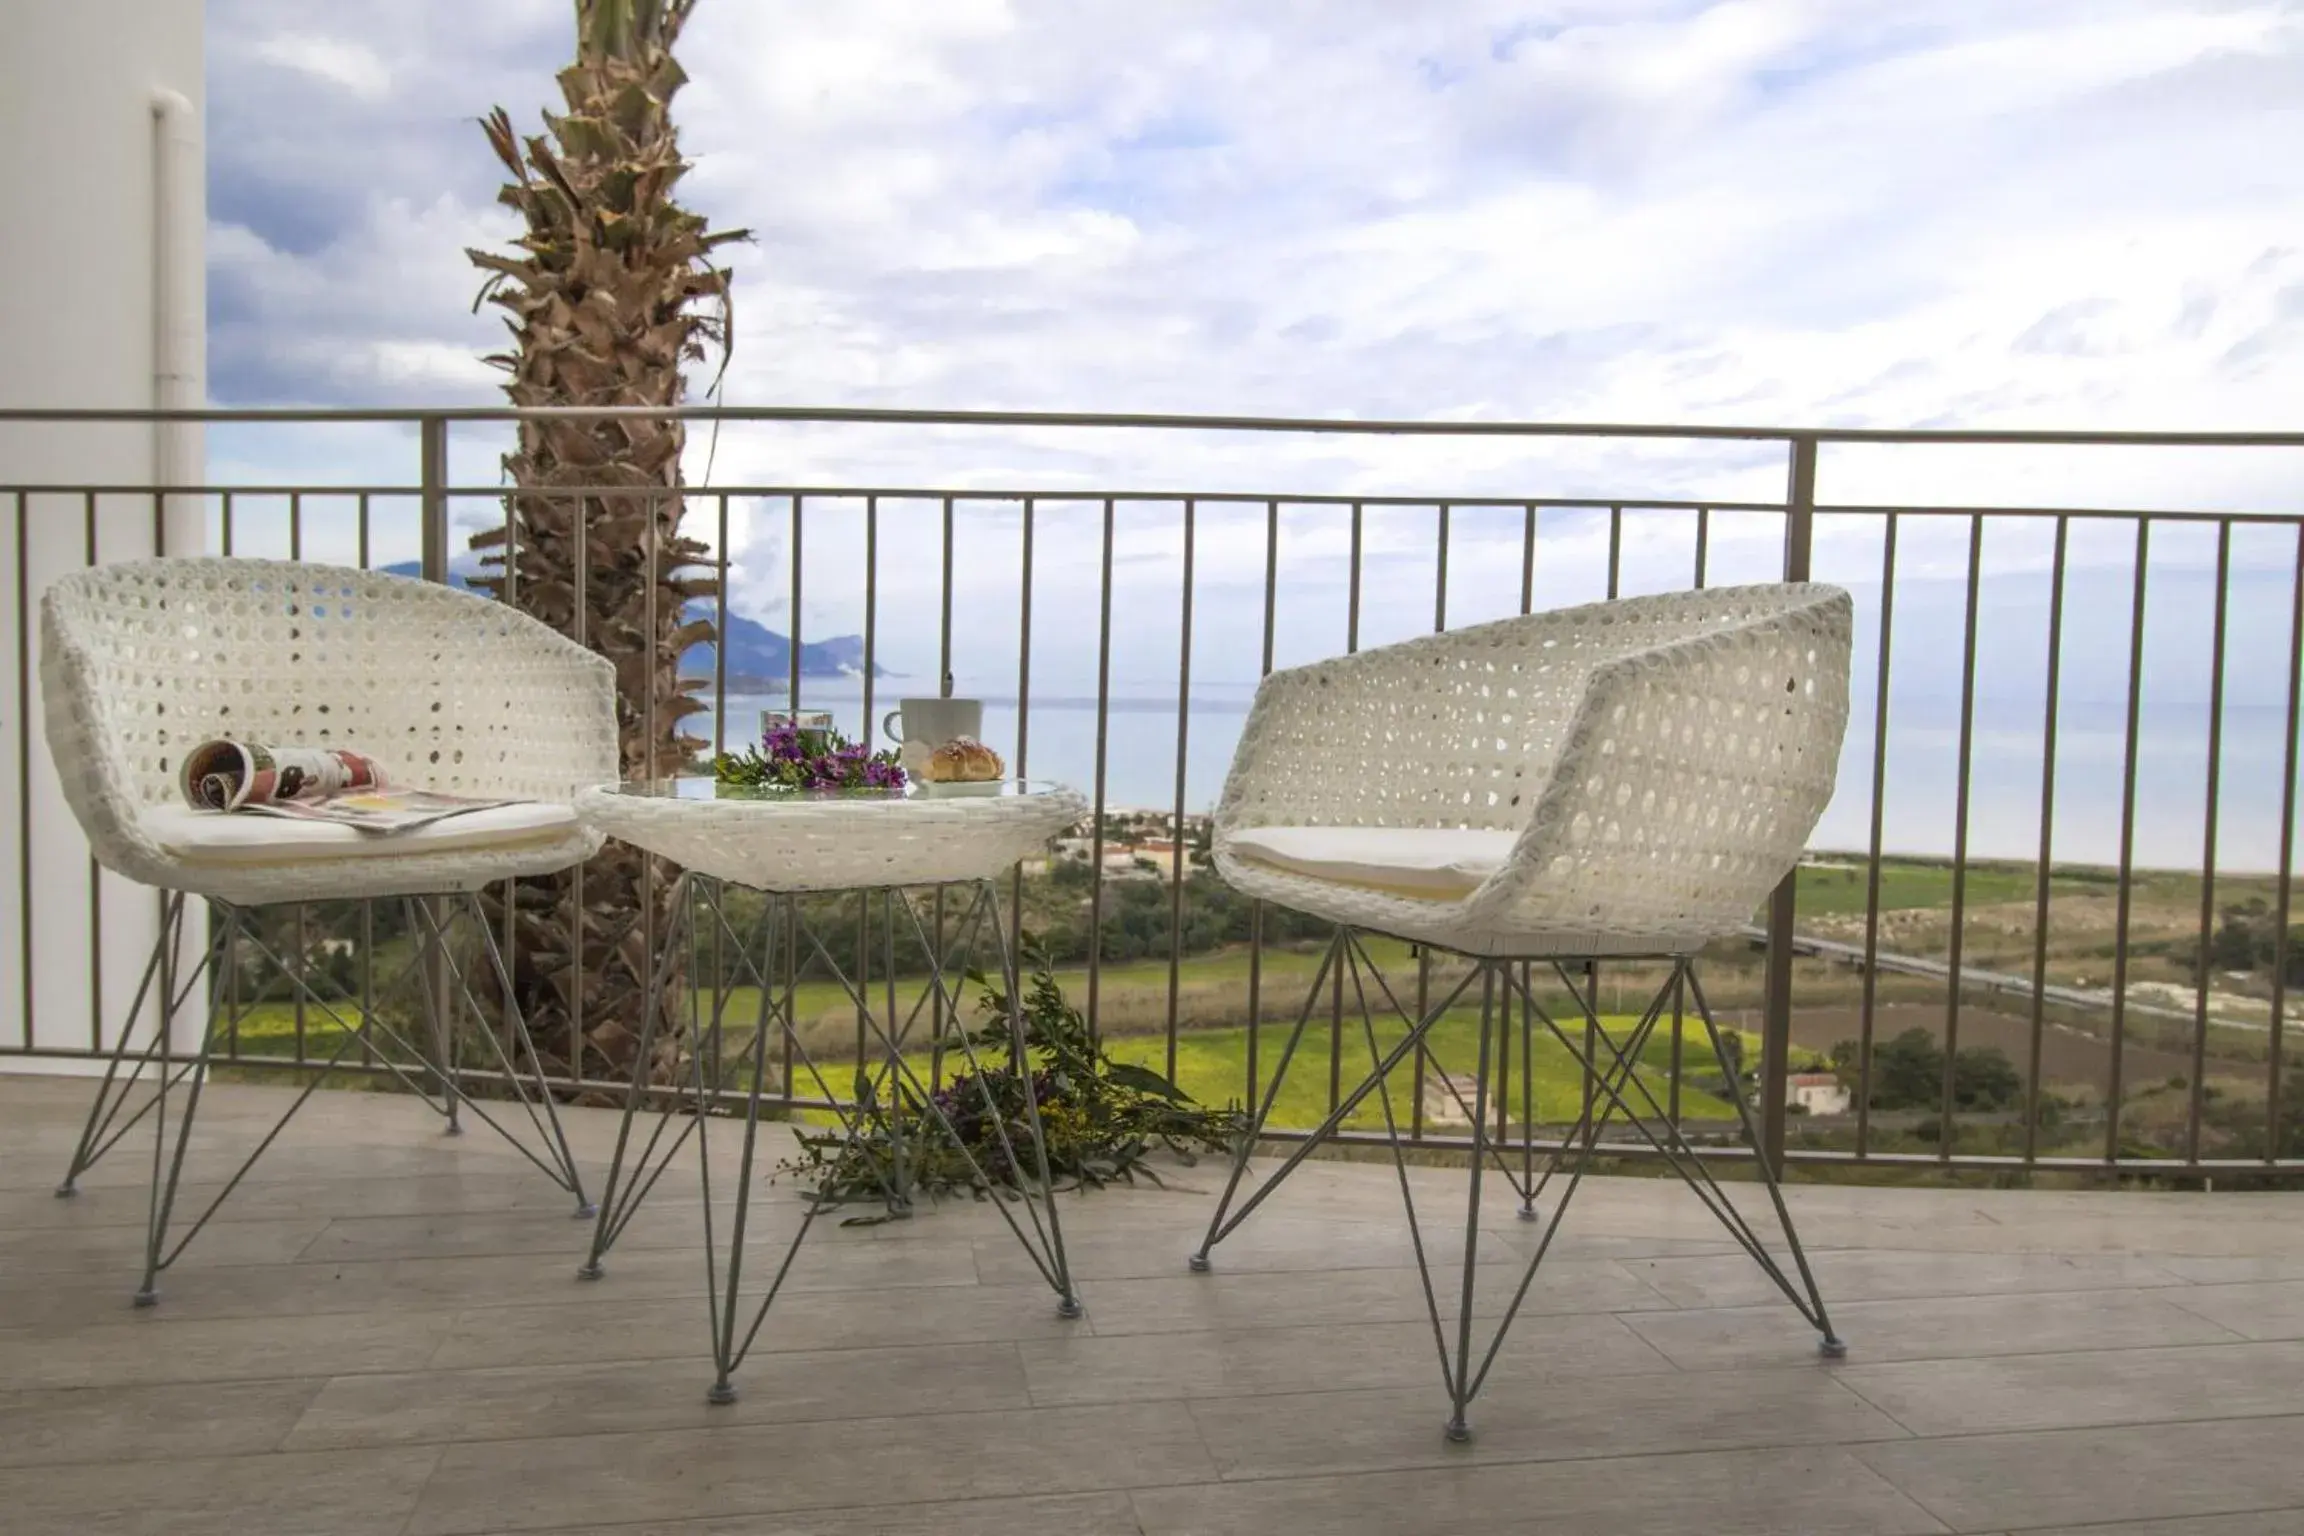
[790,757]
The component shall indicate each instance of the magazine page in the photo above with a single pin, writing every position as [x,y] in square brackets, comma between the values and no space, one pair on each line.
[312,784]
[377,810]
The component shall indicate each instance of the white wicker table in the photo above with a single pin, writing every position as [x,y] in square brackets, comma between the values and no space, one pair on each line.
[901,851]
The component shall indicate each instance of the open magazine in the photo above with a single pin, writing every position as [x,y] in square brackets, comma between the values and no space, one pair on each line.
[312,784]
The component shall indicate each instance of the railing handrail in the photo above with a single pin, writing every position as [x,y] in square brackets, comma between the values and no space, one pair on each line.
[1161,421]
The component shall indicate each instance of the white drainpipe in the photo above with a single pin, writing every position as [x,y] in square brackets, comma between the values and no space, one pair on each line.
[179,326]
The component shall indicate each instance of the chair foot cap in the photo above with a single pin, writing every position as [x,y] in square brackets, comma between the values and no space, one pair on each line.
[1530,1213]
[591,1271]
[722,1394]
[67,1190]
[585,1211]
[147,1297]
[1832,1347]
[1198,1263]
[1458,1430]
[1069,1307]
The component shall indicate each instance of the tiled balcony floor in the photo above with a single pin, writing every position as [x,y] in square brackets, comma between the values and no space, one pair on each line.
[383,1334]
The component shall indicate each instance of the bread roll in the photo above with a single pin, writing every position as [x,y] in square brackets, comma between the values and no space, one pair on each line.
[964,760]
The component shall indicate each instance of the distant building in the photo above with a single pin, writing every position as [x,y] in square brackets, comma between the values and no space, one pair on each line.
[1817,1093]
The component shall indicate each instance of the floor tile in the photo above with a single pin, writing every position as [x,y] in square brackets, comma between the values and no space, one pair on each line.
[1345,1298]
[1085,1368]
[1879,1275]
[527,1402]
[358,1493]
[1087,1514]
[2073,1477]
[1936,1328]
[2125,1386]
[144,1423]
[608,1330]
[2268,1310]
[154,1349]
[1742,1493]
[1526,1420]
[531,1484]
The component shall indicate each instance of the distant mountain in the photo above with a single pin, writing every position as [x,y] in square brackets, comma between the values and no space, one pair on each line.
[757,655]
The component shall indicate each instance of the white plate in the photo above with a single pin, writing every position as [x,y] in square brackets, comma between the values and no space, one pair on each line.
[958,791]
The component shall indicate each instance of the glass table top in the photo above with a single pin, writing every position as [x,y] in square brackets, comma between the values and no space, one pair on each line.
[705,789]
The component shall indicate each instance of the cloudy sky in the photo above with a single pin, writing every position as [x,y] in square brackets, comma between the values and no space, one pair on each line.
[2055,213]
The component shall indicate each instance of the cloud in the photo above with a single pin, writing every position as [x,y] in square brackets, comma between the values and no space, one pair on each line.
[331,60]
[1949,212]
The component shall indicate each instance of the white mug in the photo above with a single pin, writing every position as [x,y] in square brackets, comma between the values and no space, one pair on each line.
[933,722]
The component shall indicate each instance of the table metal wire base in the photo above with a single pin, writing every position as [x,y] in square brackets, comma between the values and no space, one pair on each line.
[433,971]
[779,950]
[1613,1086]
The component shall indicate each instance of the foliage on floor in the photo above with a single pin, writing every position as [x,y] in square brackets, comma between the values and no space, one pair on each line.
[1101,1117]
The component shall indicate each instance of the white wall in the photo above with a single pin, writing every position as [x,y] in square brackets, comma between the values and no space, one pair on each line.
[87,277]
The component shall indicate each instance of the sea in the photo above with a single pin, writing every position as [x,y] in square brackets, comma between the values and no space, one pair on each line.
[2168,816]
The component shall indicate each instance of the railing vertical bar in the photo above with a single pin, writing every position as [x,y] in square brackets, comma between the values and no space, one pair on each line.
[1528,560]
[95,870]
[1423,1004]
[432,515]
[1256,908]
[792,658]
[303,954]
[361,532]
[24,760]
[1867,1013]
[1704,544]
[651,576]
[1783,905]
[1103,722]
[582,560]
[295,525]
[1023,720]
[1615,552]
[944,623]
[224,516]
[946,550]
[2045,878]
[2275,1067]
[871,611]
[1957,950]
[1440,574]
[1176,836]
[510,940]
[2125,900]
[2198,1100]
[794,512]
[1354,579]
[720,662]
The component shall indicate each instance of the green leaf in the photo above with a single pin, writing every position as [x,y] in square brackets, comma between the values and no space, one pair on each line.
[1144,1080]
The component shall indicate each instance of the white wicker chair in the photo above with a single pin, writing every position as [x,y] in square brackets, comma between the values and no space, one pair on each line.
[143,660]
[1623,779]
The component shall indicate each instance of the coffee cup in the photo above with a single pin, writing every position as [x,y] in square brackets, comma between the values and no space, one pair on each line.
[933,722]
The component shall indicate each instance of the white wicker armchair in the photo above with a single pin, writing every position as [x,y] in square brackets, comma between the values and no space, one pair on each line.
[1621,778]
[143,661]
[1625,779]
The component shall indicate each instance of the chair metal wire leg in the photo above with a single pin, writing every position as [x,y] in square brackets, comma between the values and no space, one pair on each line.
[1247,1143]
[1830,1344]
[97,1136]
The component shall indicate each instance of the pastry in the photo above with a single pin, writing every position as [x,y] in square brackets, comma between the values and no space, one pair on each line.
[964,760]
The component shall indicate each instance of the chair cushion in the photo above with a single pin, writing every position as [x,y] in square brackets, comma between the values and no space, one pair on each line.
[1435,863]
[218,837]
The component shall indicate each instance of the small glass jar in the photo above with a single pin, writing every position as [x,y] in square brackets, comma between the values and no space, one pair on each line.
[814,726]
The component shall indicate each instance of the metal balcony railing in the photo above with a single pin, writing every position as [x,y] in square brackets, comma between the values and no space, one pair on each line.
[2099,951]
